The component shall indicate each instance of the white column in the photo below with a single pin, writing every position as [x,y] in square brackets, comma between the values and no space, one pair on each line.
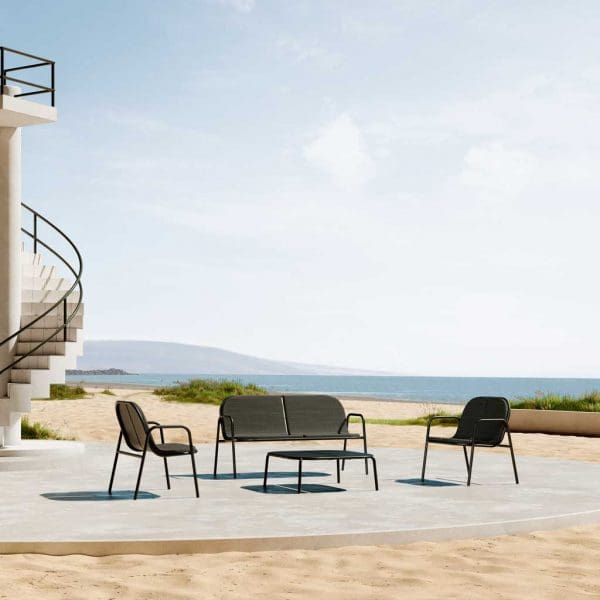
[10,251]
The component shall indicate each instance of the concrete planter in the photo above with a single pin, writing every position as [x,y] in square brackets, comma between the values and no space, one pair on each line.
[558,422]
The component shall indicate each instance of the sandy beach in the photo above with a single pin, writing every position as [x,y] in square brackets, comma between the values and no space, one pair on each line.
[552,564]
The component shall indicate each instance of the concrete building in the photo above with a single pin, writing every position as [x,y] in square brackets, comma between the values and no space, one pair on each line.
[40,310]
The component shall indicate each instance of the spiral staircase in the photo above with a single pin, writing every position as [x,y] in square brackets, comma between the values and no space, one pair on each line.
[50,335]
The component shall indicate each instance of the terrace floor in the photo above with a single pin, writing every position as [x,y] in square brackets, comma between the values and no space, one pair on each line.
[60,505]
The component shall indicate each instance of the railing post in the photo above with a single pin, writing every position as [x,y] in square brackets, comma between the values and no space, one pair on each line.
[35,238]
[65,320]
[52,82]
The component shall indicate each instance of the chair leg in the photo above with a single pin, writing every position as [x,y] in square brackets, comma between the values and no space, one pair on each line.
[375,473]
[233,457]
[299,475]
[194,473]
[466,458]
[366,459]
[139,478]
[337,464]
[167,473]
[424,461]
[512,456]
[216,454]
[114,469]
[344,460]
[470,469]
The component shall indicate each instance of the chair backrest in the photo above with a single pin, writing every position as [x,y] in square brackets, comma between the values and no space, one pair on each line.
[254,416]
[314,415]
[133,424]
[484,407]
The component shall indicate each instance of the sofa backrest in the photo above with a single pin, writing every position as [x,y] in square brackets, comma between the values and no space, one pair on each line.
[254,416]
[314,415]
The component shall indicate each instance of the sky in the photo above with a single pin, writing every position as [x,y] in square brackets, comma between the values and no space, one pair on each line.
[408,186]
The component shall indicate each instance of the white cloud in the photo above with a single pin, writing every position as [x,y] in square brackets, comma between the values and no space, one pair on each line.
[498,168]
[309,51]
[339,150]
[239,5]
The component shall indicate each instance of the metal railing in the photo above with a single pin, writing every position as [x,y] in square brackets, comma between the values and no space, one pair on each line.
[5,53]
[68,314]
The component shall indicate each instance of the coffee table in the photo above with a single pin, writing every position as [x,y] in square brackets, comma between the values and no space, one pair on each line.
[302,455]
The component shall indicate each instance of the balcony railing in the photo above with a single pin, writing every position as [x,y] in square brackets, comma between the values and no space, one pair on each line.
[8,55]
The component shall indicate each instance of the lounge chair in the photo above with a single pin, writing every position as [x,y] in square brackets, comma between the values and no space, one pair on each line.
[137,432]
[483,424]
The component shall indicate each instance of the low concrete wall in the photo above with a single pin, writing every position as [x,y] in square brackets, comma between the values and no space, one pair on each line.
[558,422]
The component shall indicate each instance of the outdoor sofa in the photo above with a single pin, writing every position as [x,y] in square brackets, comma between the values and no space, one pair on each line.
[284,418]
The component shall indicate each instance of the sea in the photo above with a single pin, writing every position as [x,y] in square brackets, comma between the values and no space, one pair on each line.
[444,390]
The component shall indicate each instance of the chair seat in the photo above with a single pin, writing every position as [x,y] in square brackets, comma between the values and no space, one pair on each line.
[174,449]
[458,441]
[294,438]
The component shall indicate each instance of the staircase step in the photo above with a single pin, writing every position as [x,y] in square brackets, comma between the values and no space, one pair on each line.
[48,349]
[53,320]
[48,296]
[29,258]
[35,309]
[38,270]
[44,361]
[39,379]
[35,334]
[45,283]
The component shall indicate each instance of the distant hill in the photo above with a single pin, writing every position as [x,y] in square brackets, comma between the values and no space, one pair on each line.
[166,357]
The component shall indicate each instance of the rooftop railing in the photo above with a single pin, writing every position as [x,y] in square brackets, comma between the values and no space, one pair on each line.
[9,55]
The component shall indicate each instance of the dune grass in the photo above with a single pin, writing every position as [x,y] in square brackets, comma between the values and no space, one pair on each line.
[588,402]
[37,431]
[421,420]
[107,393]
[61,391]
[207,391]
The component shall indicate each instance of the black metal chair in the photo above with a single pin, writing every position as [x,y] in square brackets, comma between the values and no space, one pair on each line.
[483,424]
[137,432]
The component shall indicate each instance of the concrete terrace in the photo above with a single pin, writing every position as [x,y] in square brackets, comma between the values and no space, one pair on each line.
[60,505]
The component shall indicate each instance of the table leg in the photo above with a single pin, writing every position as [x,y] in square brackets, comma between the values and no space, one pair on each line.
[375,473]
[299,475]
[266,473]
[338,469]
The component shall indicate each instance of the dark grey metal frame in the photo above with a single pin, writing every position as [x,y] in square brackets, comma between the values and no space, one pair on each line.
[469,443]
[68,315]
[300,459]
[44,62]
[142,456]
[233,440]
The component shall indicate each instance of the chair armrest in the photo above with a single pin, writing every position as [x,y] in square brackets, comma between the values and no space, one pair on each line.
[162,435]
[504,421]
[440,418]
[161,428]
[222,424]
[361,417]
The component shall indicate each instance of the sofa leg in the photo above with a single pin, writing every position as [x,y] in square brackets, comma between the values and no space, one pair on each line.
[233,457]
[471,464]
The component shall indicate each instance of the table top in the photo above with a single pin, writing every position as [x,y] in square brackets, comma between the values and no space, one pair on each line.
[319,454]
